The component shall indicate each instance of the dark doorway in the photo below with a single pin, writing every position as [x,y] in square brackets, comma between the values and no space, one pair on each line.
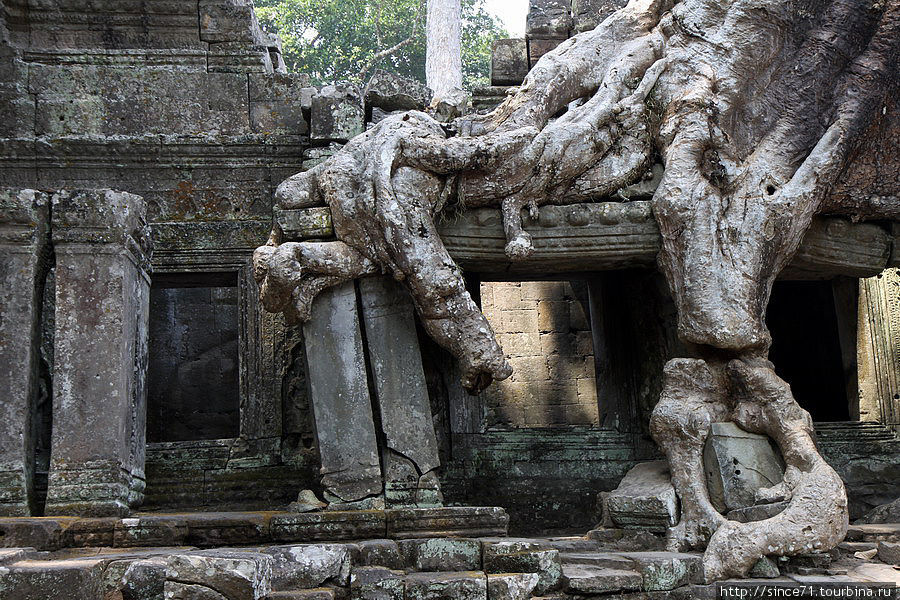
[806,347]
[193,386]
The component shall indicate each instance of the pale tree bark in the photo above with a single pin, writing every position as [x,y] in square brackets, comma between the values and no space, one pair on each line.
[764,113]
[443,48]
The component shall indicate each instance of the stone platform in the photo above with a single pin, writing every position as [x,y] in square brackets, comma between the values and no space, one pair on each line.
[210,529]
[606,563]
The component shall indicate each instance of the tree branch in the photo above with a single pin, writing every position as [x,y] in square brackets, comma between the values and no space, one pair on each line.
[388,51]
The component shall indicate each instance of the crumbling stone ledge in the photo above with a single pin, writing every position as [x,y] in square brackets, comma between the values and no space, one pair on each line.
[258,527]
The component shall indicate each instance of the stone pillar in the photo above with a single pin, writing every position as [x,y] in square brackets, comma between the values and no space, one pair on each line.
[102,248]
[339,394]
[878,348]
[24,249]
[409,453]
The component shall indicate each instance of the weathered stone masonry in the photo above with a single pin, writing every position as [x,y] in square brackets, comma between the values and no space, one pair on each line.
[181,104]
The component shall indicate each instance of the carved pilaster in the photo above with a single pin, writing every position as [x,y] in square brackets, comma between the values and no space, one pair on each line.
[102,250]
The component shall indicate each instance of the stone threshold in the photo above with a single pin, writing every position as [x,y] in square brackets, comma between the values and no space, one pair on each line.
[211,529]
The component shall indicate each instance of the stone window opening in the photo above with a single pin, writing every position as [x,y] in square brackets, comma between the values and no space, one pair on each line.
[193,376]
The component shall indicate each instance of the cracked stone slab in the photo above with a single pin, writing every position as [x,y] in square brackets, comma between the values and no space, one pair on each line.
[738,463]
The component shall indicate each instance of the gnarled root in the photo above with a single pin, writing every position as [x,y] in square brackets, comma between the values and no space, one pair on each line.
[816,517]
[691,401]
[697,393]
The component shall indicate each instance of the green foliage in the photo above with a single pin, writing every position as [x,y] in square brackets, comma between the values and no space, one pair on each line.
[333,40]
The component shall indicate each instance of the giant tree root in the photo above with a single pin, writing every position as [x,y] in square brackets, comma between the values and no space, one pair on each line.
[749,393]
[757,108]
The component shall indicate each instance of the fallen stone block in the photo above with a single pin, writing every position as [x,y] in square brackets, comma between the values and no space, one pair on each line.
[175,590]
[309,566]
[738,463]
[12,555]
[336,114]
[644,499]
[467,585]
[511,586]
[41,534]
[442,554]
[391,92]
[889,552]
[885,513]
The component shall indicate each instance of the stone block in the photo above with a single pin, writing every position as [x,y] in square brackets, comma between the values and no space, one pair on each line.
[461,521]
[765,568]
[538,47]
[884,513]
[102,246]
[378,553]
[410,450]
[529,368]
[587,14]
[548,18]
[600,580]
[277,103]
[466,585]
[509,61]
[150,530]
[644,499]
[144,580]
[239,57]
[889,552]
[511,586]
[520,344]
[230,21]
[76,578]
[524,556]
[235,575]
[340,397]
[336,114]
[626,539]
[442,554]
[377,583]
[390,92]
[661,571]
[309,565]
[738,463]
[38,533]
[328,525]
[225,529]
[24,253]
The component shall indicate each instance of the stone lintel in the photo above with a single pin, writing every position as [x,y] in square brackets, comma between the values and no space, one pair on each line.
[606,236]
[24,248]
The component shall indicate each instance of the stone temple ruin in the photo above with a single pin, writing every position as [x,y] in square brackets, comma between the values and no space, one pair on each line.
[162,435]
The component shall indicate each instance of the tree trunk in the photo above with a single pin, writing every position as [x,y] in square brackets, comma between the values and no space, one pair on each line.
[764,113]
[443,50]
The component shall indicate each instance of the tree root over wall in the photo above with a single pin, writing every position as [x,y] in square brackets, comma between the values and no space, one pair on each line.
[764,113]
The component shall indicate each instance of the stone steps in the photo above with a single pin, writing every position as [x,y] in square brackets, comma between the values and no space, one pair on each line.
[588,580]
[655,570]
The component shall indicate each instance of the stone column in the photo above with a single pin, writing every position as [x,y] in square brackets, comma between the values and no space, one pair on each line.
[102,249]
[409,453]
[878,348]
[339,394]
[24,249]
